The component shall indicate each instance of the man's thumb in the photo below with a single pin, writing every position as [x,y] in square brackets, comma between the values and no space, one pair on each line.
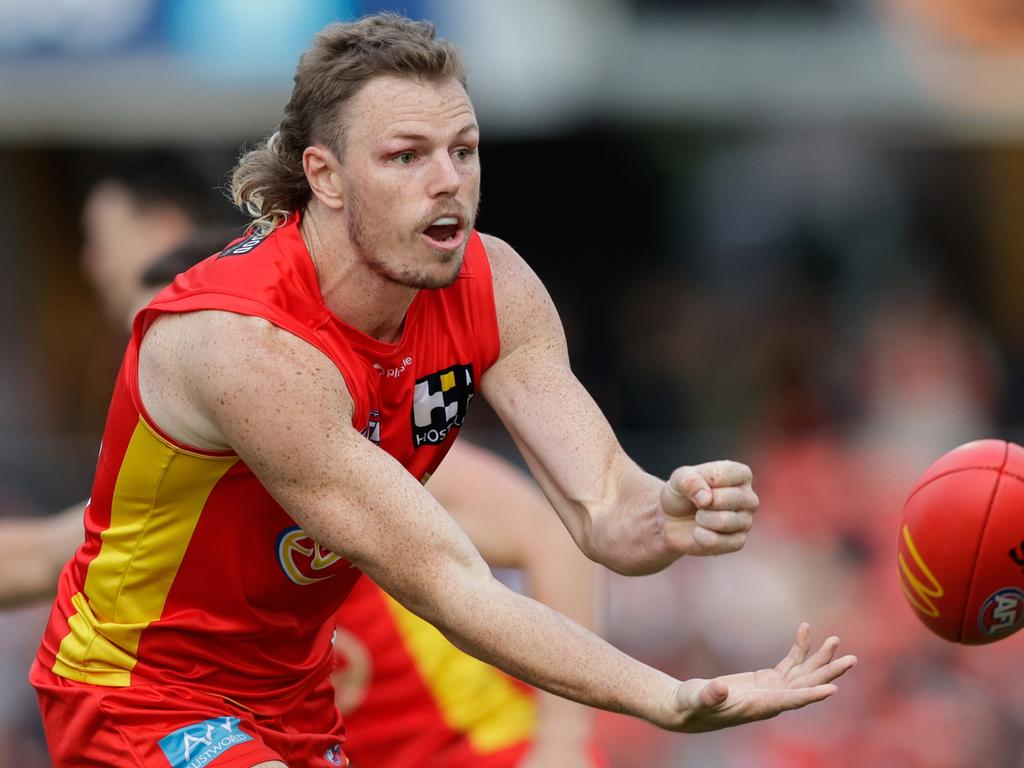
[685,484]
[713,694]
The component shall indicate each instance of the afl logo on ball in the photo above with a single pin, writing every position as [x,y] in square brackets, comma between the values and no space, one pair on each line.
[1002,613]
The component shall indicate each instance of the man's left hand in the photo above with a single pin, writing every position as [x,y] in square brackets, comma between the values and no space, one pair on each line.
[709,508]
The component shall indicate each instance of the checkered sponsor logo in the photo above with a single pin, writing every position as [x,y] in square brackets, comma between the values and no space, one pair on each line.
[439,404]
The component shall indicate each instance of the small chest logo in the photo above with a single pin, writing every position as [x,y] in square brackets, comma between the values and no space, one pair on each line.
[246,245]
[439,403]
[199,744]
[1002,612]
[304,561]
[372,429]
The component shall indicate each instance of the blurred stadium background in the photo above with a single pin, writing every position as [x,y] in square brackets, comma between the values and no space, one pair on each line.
[786,231]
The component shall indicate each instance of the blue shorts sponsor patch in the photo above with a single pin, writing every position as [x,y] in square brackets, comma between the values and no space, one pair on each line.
[197,745]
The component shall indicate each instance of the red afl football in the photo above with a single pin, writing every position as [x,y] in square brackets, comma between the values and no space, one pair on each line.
[961,543]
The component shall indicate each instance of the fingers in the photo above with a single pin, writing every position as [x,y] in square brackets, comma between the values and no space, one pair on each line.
[685,489]
[740,497]
[801,678]
[818,669]
[782,701]
[717,485]
[720,474]
[831,671]
[723,528]
[797,654]
[725,521]
[824,654]
[708,707]
[713,543]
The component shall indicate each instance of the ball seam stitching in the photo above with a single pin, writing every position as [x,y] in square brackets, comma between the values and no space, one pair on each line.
[981,539]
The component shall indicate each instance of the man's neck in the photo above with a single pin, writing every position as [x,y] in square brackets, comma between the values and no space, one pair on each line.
[354,292]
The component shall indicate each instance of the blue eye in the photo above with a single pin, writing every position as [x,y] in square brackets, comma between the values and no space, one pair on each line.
[405,158]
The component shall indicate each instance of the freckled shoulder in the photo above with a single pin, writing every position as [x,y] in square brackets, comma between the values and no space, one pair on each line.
[526,314]
[197,369]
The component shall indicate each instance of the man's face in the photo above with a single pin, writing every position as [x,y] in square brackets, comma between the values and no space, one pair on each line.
[411,178]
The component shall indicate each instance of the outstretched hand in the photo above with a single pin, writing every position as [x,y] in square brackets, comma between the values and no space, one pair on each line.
[801,678]
[709,508]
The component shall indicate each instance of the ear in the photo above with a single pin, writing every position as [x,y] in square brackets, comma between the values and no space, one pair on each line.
[321,168]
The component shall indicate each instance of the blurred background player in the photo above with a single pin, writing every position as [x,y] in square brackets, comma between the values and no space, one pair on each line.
[409,696]
[144,211]
[135,213]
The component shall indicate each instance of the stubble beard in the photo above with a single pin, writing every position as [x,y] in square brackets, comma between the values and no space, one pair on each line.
[408,277]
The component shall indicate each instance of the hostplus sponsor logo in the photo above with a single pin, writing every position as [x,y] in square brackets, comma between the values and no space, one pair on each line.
[197,745]
[439,404]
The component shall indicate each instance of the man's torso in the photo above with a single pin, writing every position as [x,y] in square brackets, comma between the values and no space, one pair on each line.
[191,573]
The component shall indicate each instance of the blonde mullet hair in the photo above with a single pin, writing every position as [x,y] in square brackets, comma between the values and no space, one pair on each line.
[269,183]
[262,183]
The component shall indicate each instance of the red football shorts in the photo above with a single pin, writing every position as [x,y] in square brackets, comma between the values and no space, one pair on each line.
[156,726]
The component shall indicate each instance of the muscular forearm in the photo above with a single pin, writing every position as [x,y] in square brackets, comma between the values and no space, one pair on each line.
[530,641]
[613,514]
[512,525]
[541,647]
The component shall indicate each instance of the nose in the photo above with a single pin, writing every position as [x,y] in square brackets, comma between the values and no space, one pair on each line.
[444,177]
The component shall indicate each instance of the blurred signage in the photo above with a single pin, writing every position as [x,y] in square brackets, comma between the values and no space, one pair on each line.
[248,33]
[29,28]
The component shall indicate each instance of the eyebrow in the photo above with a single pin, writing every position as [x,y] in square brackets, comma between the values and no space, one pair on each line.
[469,128]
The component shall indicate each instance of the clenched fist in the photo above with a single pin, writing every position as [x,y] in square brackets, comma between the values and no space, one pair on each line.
[709,508]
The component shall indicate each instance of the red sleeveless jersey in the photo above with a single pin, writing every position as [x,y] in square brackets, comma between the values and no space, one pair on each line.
[191,574]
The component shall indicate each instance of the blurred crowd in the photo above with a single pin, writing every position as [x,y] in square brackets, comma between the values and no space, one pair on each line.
[834,319]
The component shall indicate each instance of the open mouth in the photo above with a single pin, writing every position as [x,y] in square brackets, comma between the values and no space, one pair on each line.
[444,232]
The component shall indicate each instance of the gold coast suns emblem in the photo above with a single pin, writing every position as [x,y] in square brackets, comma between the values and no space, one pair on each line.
[304,561]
